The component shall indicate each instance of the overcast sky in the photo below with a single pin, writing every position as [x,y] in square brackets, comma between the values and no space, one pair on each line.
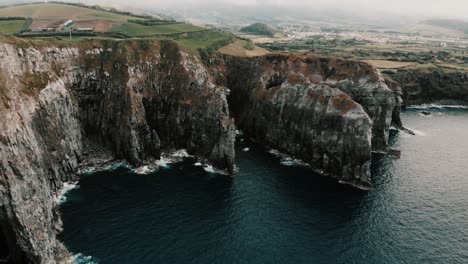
[443,8]
[458,8]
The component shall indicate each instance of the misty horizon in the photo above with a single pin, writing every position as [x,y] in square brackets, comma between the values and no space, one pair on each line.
[448,9]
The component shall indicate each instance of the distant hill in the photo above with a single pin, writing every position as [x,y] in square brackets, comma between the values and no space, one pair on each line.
[262,29]
[448,23]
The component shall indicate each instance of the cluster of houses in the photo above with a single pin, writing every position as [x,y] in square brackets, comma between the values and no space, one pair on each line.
[66,27]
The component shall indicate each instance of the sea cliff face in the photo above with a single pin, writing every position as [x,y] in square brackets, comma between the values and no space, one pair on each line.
[135,99]
[330,113]
[428,86]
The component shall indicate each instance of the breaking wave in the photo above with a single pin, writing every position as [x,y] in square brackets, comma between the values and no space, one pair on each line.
[82,259]
[61,198]
[143,170]
[287,160]
[209,168]
[164,161]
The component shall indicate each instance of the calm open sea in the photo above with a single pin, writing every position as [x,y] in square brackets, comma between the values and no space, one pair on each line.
[271,213]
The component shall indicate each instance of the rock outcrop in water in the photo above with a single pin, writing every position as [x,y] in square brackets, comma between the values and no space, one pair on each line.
[138,98]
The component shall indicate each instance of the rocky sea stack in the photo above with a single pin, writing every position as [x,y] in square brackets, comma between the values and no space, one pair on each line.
[135,99]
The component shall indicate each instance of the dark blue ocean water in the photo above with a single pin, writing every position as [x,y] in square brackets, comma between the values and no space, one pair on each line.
[269,213]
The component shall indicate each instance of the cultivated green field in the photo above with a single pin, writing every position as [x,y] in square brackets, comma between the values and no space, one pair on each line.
[60,11]
[136,30]
[207,39]
[10,27]
[109,25]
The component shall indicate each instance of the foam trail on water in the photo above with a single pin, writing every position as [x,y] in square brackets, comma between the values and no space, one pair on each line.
[421,114]
[437,106]
[418,132]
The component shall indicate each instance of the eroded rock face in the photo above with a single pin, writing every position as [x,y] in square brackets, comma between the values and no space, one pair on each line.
[135,99]
[330,113]
[138,98]
[145,98]
[427,86]
[40,141]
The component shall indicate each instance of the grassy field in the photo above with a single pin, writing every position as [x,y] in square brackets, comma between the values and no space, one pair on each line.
[11,26]
[60,11]
[238,48]
[207,39]
[136,30]
[112,25]
[384,64]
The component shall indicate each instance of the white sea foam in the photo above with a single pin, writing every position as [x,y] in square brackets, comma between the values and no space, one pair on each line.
[61,198]
[173,157]
[287,160]
[164,162]
[421,114]
[437,106]
[89,170]
[182,153]
[82,259]
[116,166]
[275,152]
[143,170]
[209,168]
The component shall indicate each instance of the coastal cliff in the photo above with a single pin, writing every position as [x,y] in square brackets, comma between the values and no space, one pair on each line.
[432,86]
[331,113]
[133,99]
[136,99]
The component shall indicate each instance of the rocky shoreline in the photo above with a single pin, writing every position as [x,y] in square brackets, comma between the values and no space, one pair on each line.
[65,109]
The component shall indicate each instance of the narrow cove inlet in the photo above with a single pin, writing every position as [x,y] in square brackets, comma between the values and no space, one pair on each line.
[272,213]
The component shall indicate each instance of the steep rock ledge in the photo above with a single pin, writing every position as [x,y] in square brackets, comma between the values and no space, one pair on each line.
[141,99]
[432,86]
[138,98]
[133,98]
[331,113]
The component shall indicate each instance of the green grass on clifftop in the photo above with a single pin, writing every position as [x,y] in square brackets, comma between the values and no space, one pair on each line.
[9,27]
[60,11]
[137,30]
[211,40]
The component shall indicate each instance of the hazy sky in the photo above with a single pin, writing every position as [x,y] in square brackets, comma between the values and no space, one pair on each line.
[445,8]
